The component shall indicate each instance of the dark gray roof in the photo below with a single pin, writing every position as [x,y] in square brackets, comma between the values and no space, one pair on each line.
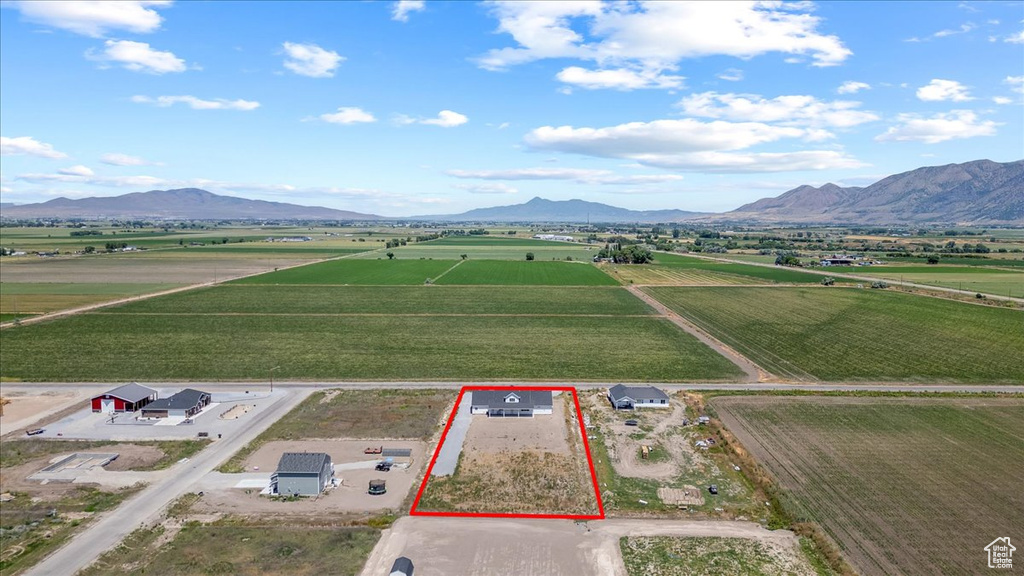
[187,398]
[397,452]
[300,462]
[621,391]
[527,398]
[132,392]
[403,565]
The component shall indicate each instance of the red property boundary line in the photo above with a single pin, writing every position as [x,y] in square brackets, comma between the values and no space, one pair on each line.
[586,446]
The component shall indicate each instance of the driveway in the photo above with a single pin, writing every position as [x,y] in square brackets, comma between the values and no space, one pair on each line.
[448,457]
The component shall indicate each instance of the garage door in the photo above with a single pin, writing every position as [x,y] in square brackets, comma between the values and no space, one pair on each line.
[107,405]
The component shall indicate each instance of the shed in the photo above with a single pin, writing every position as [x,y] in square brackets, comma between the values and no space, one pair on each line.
[401,567]
[186,403]
[629,397]
[127,398]
[512,403]
[302,473]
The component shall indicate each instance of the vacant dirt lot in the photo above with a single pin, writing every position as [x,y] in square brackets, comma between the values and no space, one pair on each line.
[178,269]
[519,465]
[350,496]
[131,457]
[26,408]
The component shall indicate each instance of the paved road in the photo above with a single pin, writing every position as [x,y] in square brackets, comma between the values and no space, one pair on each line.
[146,506]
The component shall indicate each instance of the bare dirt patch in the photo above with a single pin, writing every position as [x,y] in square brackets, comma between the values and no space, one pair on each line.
[132,457]
[686,496]
[236,412]
[26,409]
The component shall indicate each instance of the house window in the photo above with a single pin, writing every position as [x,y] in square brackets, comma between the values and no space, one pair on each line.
[662,401]
[512,399]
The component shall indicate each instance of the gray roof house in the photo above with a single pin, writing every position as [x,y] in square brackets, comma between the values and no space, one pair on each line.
[513,403]
[401,567]
[127,398]
[302,473]
[629,397]
[186,403]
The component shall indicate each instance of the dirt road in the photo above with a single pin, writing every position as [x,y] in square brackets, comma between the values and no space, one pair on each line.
[754,372]
[520,547]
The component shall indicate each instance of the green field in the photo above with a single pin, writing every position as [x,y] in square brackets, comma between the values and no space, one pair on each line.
[269,299]
[904,486]
[349,271]
[841,334]
[493,241]
[481,272]
[492,248]
[765,274]
[974,278]
[106,347]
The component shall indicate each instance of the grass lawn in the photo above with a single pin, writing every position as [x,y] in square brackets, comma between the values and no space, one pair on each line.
[355,414]
[840,334]
[269,299]
[894,481]
[204,549]
[210,347]
[526,273]
[348,271]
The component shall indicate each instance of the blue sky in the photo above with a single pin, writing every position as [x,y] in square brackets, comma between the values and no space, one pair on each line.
[403,108]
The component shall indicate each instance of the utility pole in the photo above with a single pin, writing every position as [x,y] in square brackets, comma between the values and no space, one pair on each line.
[272,377]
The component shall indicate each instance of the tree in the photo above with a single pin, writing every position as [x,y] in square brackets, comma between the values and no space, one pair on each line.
[933,259]
[676,232]
[391,255]
[529,255]
[464,256]
[90,249]
[828,281]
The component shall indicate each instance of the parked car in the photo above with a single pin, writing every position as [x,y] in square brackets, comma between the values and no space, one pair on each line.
[383,466]
[713,489]
[34,431]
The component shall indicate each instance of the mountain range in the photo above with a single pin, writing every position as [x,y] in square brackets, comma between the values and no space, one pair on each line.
[978,192]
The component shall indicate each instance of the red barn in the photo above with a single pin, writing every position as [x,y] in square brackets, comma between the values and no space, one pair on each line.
[127,398]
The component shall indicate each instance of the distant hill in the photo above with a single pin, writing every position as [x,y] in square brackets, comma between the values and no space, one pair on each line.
[541,210]
[979,192]
[185,203]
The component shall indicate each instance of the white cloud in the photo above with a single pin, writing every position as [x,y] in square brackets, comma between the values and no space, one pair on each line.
[963,29]
[28,146]
[311,60]
[938,128]
[94,18]
[403,8]
[579,175]
[852,87]
[1016,83]
[690,144]
[445,119]
[654,36]
[63,176]
[76,171]
[348,115]
[488,188]
[941,90]
[731,75]
[1017,38]
[138,57]
[198,103]
[1002,100]
[787,110]
[117,159]
[618,78]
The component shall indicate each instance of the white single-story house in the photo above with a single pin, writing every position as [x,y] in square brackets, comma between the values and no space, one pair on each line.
[629,397]
[185,404]
[511,403]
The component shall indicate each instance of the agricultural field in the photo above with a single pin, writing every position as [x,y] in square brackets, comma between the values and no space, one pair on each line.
[644,274]
[847,334]
[391,300]
[987,280]
[356,272]
[750,273]
[493,248]
[412,414]
[668,556]
[903,485]
[30,298]
[394,347]
[241,548]
[526,273]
